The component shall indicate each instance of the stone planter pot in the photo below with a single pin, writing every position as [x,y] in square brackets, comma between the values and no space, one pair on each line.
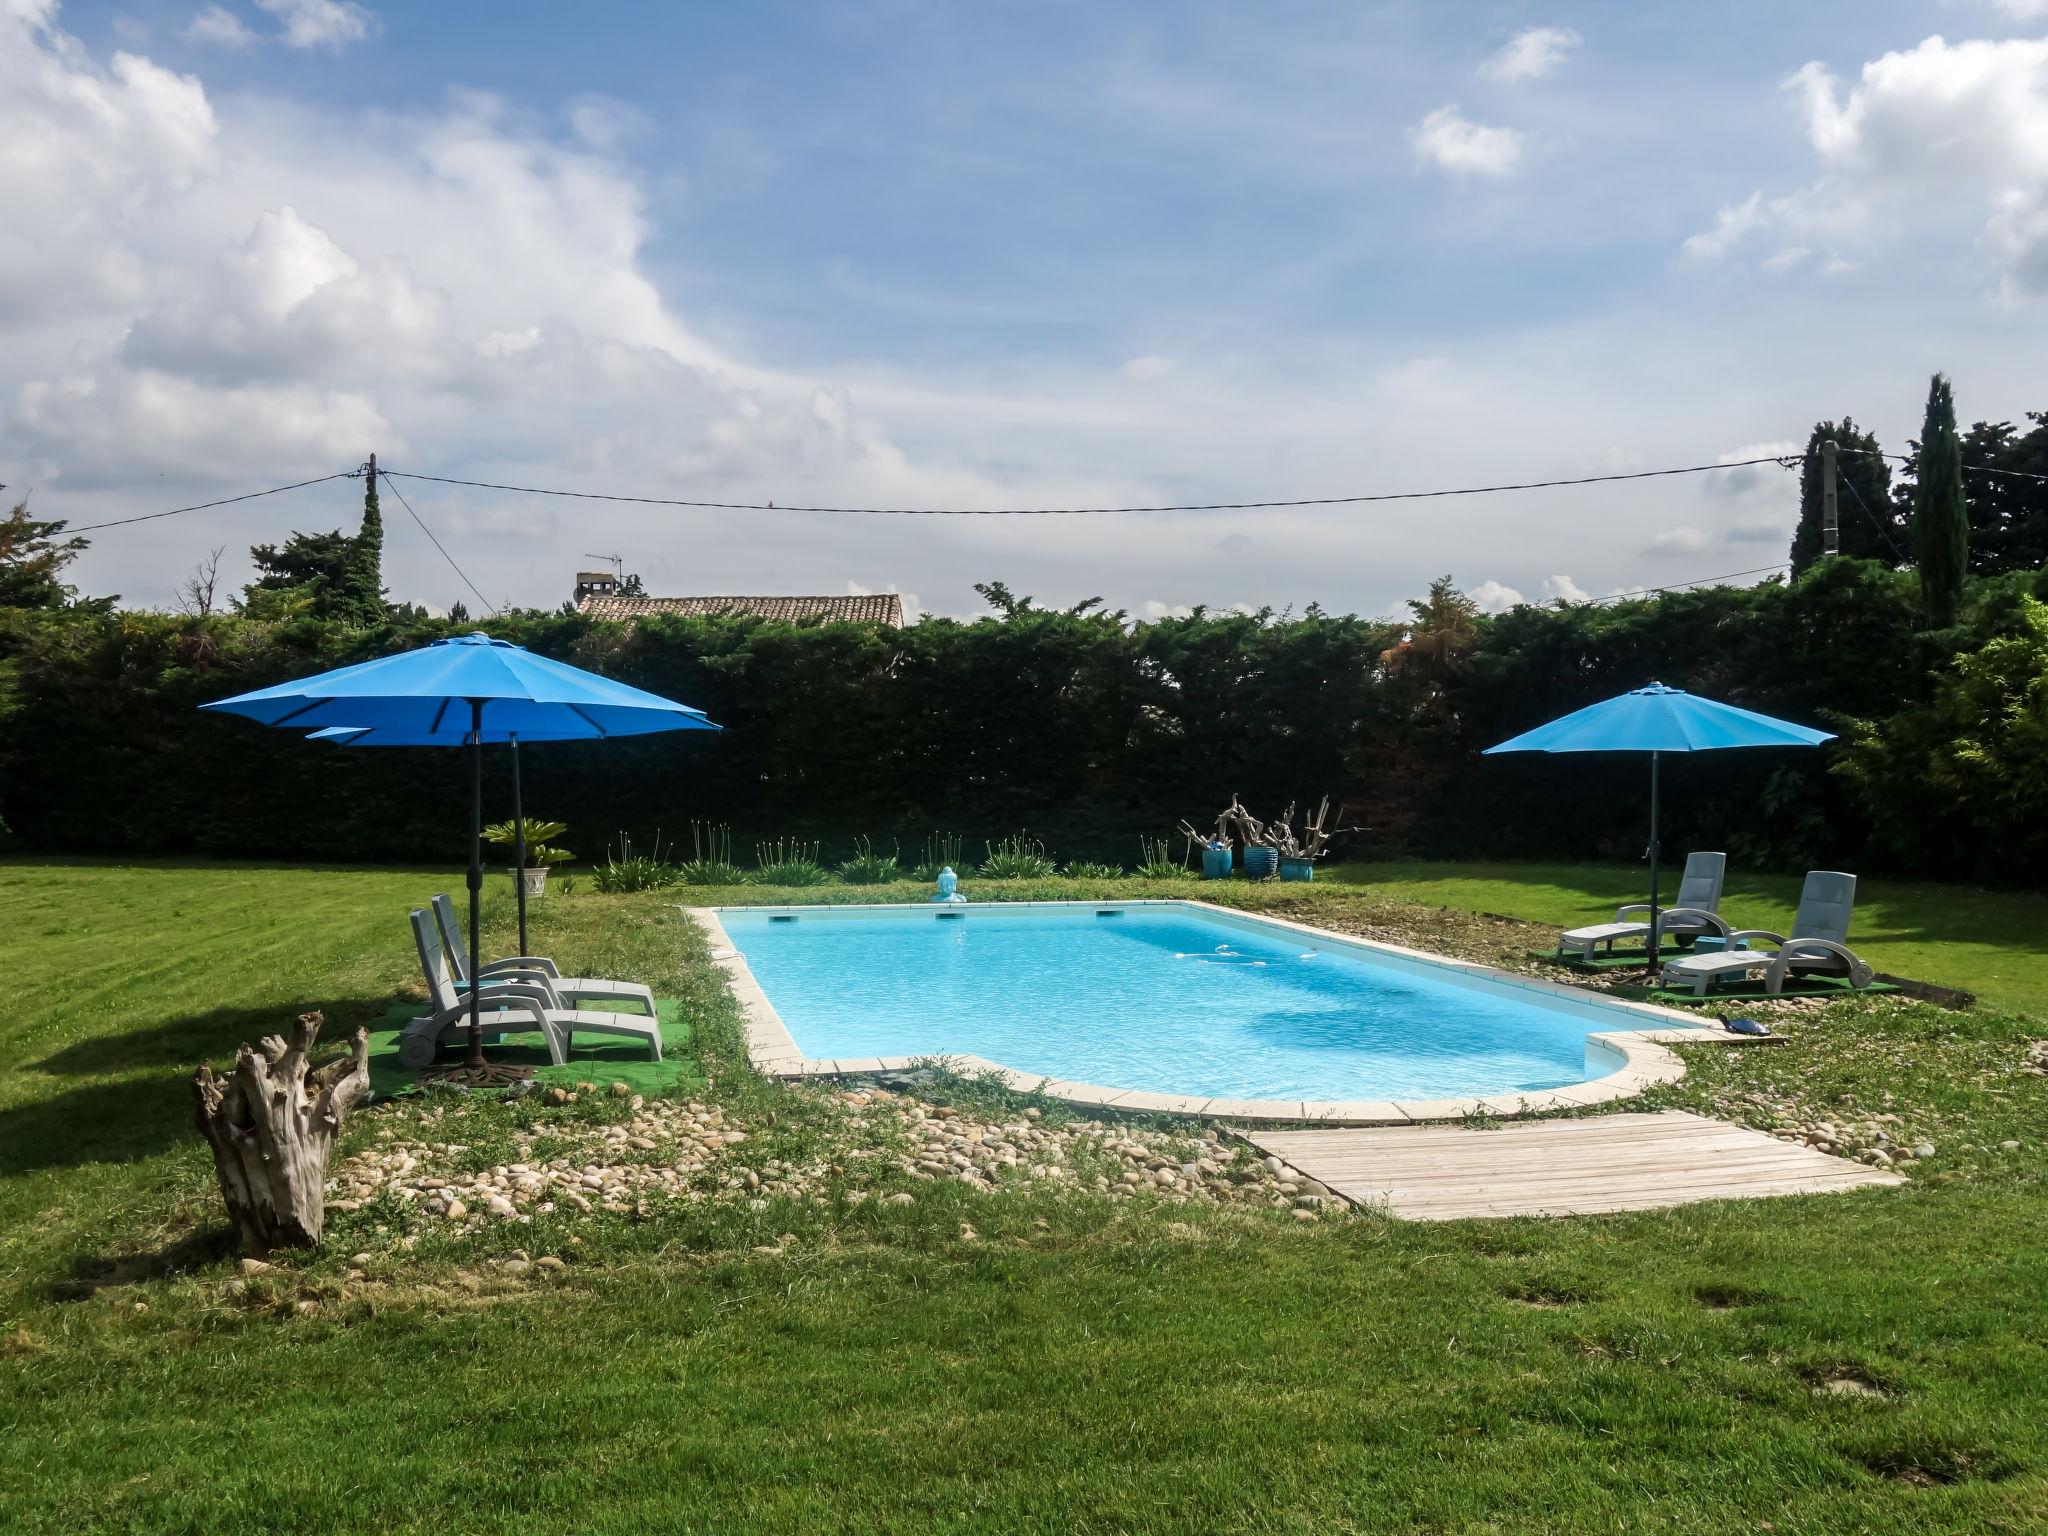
[536,881]
[1297,869]
[1215,863]
[1260,863]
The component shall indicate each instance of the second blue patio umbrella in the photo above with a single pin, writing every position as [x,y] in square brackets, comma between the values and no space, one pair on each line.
[1657,720]
[465,691]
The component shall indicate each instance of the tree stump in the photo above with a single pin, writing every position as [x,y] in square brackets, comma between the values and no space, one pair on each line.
[272,1126]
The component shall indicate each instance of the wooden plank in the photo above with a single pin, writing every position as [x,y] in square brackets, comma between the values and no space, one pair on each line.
[1561,1167]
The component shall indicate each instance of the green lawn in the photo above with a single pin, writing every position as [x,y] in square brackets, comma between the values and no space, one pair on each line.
[1992,943]
[1069,1367]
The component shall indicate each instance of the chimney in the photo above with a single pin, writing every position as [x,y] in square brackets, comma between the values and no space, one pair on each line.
[595,584]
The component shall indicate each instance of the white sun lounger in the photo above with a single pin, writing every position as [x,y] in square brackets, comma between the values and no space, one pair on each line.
[515,1005]
[565,987]
[1818,945]
[1693,913]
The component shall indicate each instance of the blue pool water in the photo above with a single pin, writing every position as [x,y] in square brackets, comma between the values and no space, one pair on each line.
[1166,998]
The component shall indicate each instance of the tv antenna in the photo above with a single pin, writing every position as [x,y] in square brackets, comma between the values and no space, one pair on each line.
[616,562]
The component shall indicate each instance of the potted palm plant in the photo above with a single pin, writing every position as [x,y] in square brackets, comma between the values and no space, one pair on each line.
[540,851]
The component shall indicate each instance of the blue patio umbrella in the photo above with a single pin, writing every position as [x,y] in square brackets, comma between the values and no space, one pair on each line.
[1657,720]
[465,691]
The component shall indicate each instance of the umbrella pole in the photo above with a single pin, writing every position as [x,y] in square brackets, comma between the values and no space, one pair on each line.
[519,846]
[1656,854]
[476,880]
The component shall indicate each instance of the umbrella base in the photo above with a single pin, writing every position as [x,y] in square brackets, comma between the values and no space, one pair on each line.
[490,1075]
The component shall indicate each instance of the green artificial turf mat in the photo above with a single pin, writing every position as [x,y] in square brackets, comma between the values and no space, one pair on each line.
[595,1058]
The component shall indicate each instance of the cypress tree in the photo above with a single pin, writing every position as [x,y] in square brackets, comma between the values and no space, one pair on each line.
[1941,517]
[363,574]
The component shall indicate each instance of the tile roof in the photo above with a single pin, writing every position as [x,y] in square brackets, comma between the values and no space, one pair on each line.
[874,608]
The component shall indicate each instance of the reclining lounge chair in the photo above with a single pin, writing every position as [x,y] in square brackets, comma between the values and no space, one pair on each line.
[521,1004]
[1818,946]
[1695,912]
[567,987]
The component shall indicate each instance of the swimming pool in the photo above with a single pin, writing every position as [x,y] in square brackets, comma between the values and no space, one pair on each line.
[1170,998]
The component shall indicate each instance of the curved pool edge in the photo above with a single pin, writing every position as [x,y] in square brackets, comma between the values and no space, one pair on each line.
[1643,1056]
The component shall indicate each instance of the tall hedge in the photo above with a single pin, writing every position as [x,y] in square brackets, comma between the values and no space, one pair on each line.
[1078,726]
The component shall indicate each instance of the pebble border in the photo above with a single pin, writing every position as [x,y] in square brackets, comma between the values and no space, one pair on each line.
[1644,1060]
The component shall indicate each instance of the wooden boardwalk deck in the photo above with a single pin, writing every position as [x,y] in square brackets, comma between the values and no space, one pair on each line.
[1560,1167]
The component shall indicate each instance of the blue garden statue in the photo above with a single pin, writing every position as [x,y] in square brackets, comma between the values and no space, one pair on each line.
[949,887]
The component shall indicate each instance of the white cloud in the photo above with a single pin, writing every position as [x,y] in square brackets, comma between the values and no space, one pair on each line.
[1151,366]
[1564,590]
[1463,147]
[1492,597]
[1732,225]
[223,28]
[321,23]
[1743,479]
[1152,610]
[1916,131]
[2022,10]
[1681,539]
[1530,54]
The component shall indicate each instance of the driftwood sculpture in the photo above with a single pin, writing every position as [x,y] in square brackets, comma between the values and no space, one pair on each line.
[272,1126]
[1235,824]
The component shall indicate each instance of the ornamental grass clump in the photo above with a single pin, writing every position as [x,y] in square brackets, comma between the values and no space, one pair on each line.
[789,861]
[623,870]
[1086,871]
[868,867]
[1017,858]
[710,861]
[1157,861]
[941,852]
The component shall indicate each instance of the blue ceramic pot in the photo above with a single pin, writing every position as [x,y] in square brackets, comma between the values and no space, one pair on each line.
[1215,863]
[1259,863]
[1297,869]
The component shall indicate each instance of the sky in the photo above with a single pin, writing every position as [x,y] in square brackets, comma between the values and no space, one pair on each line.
[882,252]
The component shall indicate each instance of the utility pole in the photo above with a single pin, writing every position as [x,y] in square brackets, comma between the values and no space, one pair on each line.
[1830,508]
[370,477]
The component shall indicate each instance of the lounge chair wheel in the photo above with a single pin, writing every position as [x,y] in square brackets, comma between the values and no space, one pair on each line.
[417,1050]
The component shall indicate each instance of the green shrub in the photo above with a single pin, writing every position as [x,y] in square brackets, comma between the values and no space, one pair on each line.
[1017,858]
[868,867]
[624,870]
[1157,861]
[710,861]
[1084,871]
[789,861]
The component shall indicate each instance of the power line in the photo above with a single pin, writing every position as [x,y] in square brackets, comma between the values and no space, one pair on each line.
[1782,462]
[297,485]
[1882,531]
[1615,597]
[458,570]
[1968,469]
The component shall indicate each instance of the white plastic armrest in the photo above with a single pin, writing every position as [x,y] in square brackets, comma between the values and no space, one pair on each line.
[538,994]
[538,978]
[1700,914]
[1621,913]
[539,963]
[1796,950]
[1756,933]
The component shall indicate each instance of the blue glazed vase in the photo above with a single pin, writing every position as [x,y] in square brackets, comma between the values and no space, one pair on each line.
[1259,863]
[1297,869]
[1215,863]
